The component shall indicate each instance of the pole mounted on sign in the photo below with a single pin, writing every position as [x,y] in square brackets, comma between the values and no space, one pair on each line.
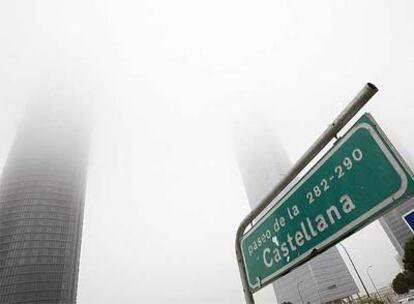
[343,118]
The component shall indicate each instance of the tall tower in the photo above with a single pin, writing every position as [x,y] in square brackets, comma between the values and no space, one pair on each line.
[42,191]
[262,163]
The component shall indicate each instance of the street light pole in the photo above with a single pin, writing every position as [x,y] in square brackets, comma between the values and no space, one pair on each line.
[353,265]
[300,295]
[372,281]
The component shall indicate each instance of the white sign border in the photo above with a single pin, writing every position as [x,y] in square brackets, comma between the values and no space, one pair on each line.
[351,225]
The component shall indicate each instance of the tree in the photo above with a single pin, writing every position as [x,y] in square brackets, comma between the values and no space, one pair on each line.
[409,255]
[410,279]
[400,284]
[404,281]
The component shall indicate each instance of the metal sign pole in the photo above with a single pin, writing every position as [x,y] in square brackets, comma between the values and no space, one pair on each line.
[343,118]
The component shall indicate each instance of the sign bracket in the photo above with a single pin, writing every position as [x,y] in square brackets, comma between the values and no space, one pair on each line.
[330,133]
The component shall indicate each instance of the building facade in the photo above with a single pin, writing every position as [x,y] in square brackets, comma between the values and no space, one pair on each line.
[324,279]
[395,227]
[262,163]
[392,222]
[42,191]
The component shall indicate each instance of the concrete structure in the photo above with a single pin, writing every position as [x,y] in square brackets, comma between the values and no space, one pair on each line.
[42,192]
[388,295]
[262,162]
[395,227]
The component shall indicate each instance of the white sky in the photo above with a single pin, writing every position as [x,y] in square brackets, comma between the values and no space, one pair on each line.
[165,79]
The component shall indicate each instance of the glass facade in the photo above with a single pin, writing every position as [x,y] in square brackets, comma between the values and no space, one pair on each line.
[41,210]
[395,227]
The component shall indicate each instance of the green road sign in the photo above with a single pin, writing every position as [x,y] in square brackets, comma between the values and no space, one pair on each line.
[359,179]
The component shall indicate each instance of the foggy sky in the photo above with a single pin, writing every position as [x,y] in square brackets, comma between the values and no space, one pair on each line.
[166,81]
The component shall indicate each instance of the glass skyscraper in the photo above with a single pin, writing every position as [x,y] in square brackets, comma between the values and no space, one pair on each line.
[42,191]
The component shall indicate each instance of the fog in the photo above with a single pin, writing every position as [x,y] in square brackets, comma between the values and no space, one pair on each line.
[165,84]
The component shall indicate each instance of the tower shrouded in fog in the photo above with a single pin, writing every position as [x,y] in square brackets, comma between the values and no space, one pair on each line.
[42,191]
